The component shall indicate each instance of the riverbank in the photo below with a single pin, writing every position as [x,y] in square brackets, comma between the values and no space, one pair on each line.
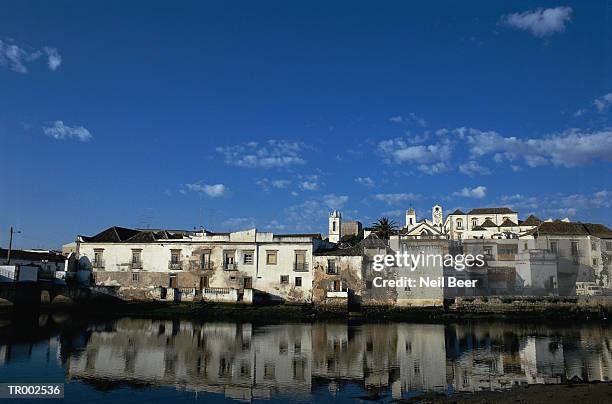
[553,393]
[509,310]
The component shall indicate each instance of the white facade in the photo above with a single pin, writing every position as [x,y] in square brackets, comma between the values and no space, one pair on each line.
[279,265]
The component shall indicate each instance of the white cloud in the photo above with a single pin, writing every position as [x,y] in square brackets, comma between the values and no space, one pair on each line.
[16,56]
[309,185]
[603,103]
[365,181]
[478,192]
[333,201]
[472,168]
[54,59]
[394,199]
[58,130]
[400,151]
[213,191]
[433,169]
[269,154]
[410,119]
[266,183]
[558,205]
[568,149]
[540,22]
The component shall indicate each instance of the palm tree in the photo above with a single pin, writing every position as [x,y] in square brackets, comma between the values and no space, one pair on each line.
[384,227]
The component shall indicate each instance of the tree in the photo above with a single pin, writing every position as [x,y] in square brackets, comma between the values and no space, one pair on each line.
[384,227]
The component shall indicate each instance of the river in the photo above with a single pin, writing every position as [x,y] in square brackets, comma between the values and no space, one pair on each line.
[144,360]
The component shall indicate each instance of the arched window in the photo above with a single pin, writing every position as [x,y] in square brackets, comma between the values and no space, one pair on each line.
[474,222]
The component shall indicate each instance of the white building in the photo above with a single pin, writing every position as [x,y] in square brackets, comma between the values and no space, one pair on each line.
[181,265]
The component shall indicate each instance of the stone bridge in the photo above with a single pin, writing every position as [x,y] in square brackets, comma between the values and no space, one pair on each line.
[36,294]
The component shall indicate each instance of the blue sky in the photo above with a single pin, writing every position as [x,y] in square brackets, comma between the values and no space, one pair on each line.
[234,114]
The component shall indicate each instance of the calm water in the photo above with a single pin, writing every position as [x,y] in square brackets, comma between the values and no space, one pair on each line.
[151,360]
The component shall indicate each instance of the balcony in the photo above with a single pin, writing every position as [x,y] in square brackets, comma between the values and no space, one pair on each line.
[175,265]
[300,266]
[136,265]
[489,257]
[230,266]
[97,264]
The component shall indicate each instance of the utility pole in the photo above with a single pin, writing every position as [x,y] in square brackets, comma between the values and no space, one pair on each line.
[8,255]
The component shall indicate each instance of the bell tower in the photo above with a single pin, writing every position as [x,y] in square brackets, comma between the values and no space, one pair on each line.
[335,226]
[436,216]
[410,218]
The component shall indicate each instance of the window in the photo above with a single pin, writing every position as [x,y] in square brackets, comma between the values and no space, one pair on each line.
[247,257]
[594,262]
[135,277]
[459,223]
[205,260]
[284,279]
[334,226]
[271,257]
[98,258]
[554,247]
[488,251]
[574,249]
[298,281]
[175,259]
[474,223]
[136,259]
[300,261]
[609,245]
[229,262]
[331,266]
[593,246]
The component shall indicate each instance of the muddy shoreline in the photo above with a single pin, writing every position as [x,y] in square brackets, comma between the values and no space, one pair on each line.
[596,392]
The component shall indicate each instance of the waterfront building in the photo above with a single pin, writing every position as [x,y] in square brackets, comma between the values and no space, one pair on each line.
[185,265]
[581,251]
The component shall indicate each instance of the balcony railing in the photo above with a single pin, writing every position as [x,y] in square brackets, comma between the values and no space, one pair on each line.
[206,265]
[97,264]
[342,294]
[300,266]
[230,266]
[175,265]
[136,265]
[489,257]
[506,257]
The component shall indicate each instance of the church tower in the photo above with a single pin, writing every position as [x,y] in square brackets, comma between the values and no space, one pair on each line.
[335,226]
[410,218]
[436,216]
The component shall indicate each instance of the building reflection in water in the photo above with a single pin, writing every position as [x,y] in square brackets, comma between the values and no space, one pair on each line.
[245,362]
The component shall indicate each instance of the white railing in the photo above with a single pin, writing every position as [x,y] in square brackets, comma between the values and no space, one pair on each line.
[342,294]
